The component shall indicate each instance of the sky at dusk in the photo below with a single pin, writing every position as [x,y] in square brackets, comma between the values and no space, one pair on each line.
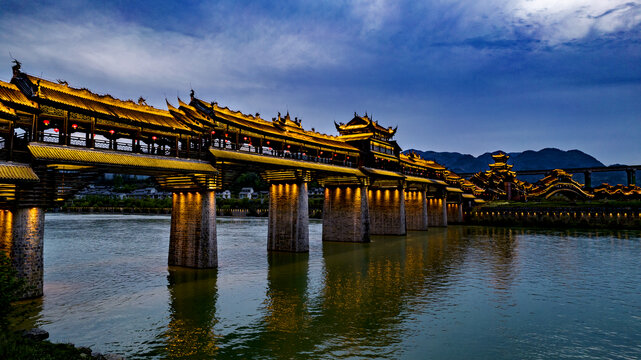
[462,76]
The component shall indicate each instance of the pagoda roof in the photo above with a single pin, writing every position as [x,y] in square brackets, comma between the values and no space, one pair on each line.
[12,97]
[282,128]
[500,157]
[364,124]
[102,106]
[414,159]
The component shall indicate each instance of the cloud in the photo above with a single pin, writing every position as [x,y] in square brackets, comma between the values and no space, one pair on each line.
[108,47]
[557,22]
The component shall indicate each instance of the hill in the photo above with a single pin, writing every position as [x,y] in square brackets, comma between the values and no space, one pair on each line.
[548,158]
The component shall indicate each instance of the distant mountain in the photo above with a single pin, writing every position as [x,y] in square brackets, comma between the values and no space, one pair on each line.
[548,158]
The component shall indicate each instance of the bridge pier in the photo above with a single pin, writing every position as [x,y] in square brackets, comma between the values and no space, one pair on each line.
[21,237]
[346,214]
[387,211]
[288,217]
[192,241]
[437,211]
[454,212]
[632,176]
[416,209]
[587,177]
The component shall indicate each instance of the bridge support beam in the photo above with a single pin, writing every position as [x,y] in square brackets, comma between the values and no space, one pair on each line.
[21,236]
[346,214]
[416,209]
[288,217]
[192,241]
[437,211]
[387,211]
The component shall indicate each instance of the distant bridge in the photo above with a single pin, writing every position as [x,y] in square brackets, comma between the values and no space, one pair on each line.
[586,171]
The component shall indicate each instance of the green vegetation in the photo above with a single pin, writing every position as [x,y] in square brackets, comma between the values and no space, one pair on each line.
[98,201]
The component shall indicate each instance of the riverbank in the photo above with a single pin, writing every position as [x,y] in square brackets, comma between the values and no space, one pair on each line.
[606,215]
[33,345]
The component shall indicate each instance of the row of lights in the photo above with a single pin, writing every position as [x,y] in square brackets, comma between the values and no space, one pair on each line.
[75,126]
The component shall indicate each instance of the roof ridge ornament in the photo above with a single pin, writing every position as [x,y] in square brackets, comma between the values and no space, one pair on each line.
[16,67]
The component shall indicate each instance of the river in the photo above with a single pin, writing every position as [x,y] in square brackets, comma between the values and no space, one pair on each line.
[448,293]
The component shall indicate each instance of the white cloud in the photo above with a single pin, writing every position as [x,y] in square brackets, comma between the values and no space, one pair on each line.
[374,14]
[556,21]
[131,53]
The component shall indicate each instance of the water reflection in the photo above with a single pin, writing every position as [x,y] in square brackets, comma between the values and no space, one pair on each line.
[190,332]
[456,292]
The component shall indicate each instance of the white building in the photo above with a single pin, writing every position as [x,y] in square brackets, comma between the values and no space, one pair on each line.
[246,193]
[224,194]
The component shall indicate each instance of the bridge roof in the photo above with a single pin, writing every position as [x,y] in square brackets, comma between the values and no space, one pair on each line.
[10,96]
[285,129]
[102,106]
[240,157]
[81,156]
[416,160]
[15,172]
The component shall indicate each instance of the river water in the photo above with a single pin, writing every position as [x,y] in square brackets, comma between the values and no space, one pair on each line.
[455,293]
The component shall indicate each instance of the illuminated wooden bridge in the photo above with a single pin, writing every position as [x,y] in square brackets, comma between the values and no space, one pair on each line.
[55,139]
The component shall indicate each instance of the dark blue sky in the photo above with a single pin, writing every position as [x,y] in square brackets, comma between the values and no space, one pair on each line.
[453,75]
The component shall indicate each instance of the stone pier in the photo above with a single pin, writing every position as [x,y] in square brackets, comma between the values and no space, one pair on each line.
[437,211]
[454,213]
[387,211]
[21,237]
[288,217]
[416,209]
[192,241]
[346,214]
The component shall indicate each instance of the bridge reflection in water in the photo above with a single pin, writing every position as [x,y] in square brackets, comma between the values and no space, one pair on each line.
[366,295]
[454,292]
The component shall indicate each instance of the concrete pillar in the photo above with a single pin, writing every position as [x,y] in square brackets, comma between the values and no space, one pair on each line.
[192,241]
[587,179]
[454,212]
[632,176]
[416,210]
[437,212]
[288,217]
[387,211]
[346,214]
[21,238]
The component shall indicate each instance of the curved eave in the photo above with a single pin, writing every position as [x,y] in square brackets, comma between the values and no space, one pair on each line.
[11,173]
